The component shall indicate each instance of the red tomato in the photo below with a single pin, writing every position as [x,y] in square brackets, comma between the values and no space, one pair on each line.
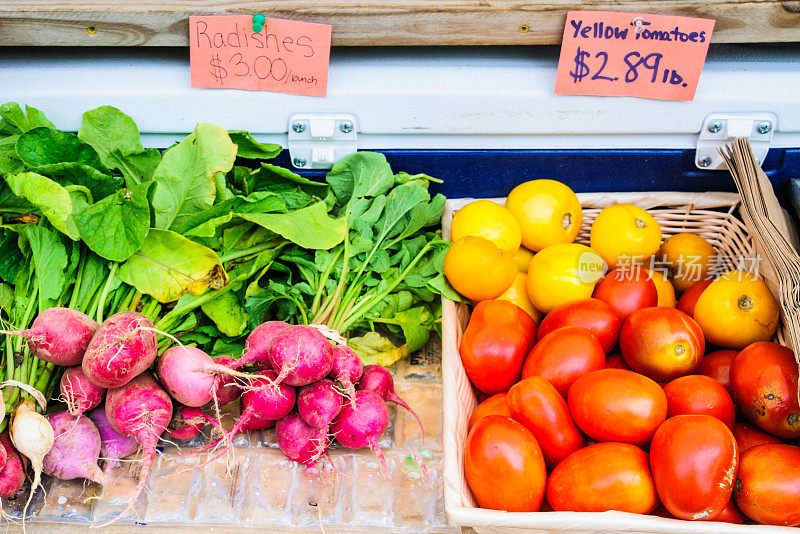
[616,361]
[764,385]
[689,298]
[717,365]
[748,437]
[494,405]
[627,289]
[617,405]
[768,484]
[594,315]
[662,343]
[504,465]
[693,459]
[729,514]
[698,394]
[601,477]
[535,403]
[495,343]
[564,355]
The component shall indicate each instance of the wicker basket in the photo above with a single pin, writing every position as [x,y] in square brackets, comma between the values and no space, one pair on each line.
[712,215]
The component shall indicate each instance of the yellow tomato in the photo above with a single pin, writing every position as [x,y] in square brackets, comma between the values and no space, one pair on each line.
[548,213]
[523,257]
[563,273]
[477,269]
[737,309]
[489,220]
[666,293]
[518,294]
[624,233]
[689,257]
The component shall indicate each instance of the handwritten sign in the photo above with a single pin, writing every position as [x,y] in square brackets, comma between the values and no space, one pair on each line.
[632,54]
[286,56]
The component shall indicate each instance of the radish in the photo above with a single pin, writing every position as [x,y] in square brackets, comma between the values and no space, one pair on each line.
[59,335]
[377,378]
[113,445]
[33,437]
[257,343]
[76,448]
[143,410]
[78,392]
[264,402]
[301,442]
[189,375]
[347,368]
[12,476]
[301,355]
[319,403]
[123,347]
[359,425]
[188,422]
[226,388]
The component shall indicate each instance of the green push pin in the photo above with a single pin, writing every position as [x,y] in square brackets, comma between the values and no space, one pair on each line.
[258,22]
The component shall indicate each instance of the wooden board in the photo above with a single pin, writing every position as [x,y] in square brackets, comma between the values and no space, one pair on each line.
[373,22]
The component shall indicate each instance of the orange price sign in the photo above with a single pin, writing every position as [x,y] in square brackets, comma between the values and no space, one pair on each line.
[286,56]
[609,53]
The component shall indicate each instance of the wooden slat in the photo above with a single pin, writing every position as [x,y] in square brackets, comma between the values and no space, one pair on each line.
[373,22]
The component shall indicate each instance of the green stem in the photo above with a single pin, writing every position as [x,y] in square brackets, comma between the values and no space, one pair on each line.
[365,306]
[235,255]
[78,281]
[27,316]
[321,284]
[102,302]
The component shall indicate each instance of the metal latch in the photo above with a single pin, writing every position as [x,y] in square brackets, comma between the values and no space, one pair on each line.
[318,140]
[720,128]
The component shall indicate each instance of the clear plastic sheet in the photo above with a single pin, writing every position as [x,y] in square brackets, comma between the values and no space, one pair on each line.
[257,487]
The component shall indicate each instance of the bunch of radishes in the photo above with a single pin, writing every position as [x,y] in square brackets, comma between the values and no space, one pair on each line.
[310,390]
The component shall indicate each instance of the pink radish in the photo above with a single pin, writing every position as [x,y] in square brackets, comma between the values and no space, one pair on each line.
[188,422]
[143,410]
[377,378]
[59,335]
[226,388]
[12,476]
[359,425]
[319,403]
[78,392]
[189,375]
[113,445]
[301,355]
[257,343]
[76,449]
[347,368]
[301,442]
[123,347]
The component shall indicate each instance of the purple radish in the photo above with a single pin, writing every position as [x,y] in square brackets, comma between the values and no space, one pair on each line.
[12,476]
[301,355]
[359,424]
[78,392]
[76,449]
[301,442]
[257,343]
[189,375]
[347,368]
[59,335]
[377,378]
[226,388]
[188,422]
[319,403]
[5,453]
[113,445]
[143,410]
[123,347]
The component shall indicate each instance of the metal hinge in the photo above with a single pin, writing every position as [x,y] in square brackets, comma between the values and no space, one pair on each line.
[318,140]
[720,128]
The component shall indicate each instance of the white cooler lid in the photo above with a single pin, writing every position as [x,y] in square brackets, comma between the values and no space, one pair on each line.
[471,97]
